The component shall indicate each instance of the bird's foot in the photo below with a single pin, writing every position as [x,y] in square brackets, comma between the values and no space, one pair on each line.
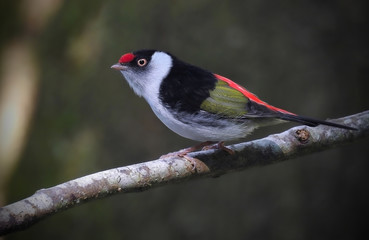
[202,146]
[191,160]
[184,152]
[219,145]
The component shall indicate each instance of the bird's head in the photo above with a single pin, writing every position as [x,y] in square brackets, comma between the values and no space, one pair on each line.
[144,70]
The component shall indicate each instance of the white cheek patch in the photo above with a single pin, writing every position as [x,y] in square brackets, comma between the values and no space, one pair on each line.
[160,66]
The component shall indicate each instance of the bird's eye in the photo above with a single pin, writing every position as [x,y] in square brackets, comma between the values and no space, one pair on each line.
[142,62]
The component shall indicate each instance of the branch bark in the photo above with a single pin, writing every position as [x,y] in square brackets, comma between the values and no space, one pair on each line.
[292,143]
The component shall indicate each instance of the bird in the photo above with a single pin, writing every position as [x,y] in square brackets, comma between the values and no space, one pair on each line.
[198,104]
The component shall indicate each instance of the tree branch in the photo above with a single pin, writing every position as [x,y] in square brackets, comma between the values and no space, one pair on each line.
[292,143]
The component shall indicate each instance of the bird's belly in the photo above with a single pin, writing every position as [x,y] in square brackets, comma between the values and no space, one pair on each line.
[200,127]
[206,133]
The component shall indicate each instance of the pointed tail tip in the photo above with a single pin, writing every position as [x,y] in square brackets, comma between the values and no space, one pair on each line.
[315,122]
[350,128]
[341,126]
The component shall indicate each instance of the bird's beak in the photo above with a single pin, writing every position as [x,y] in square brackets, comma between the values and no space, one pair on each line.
[119,67]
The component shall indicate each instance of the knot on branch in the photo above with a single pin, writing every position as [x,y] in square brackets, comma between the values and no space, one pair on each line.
[303,136]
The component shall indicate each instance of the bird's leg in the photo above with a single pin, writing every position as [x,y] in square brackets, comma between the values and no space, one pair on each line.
[201,146]
[184,152]
[219,145]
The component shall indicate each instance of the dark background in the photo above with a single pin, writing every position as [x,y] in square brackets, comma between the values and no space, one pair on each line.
[308,57]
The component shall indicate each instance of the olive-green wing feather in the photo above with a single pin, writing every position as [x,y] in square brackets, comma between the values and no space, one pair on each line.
[225,101]
[230,100]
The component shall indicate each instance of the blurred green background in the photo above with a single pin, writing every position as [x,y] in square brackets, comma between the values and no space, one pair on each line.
[309,57]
